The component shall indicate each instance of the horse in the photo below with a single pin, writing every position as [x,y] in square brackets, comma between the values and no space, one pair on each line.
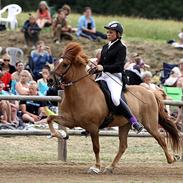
[84,105]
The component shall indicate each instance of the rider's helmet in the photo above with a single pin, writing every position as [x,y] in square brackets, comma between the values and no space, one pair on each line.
[114,25]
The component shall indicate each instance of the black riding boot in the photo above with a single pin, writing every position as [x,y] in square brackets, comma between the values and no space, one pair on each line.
[124,110]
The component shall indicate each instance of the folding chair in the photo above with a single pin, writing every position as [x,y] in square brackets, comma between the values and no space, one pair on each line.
[174,92]
[16,54]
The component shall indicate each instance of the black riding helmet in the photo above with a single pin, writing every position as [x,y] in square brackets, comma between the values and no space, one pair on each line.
[115,26]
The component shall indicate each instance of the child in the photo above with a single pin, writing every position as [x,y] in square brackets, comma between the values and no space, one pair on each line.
[31,31]
[43,82]
[60,28]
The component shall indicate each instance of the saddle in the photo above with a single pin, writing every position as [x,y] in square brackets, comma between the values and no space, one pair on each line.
[113,110]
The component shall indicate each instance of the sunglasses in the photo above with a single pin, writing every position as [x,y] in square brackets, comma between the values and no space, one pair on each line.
[6,60]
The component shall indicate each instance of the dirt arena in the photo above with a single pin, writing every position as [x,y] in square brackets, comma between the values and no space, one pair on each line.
[77,173]
[34,160]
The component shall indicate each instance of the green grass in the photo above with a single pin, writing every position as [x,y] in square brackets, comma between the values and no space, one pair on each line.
[135,28]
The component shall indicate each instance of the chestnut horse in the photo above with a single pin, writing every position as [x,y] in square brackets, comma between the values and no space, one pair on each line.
[84,106]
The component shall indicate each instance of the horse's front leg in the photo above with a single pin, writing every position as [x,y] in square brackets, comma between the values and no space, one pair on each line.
[96,149]
[59,119]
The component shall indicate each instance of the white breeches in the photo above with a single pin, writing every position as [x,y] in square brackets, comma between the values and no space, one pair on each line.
[114,84]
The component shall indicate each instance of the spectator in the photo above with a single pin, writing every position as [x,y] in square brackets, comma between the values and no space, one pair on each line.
[67,10]
[16,76]
[86,26]
[41,56]
[31,31]
[179,82]
[43,15]
[32,111]
[5,71]
[60,27]
[43,82]
[146,78]
[173,78]
[22,87]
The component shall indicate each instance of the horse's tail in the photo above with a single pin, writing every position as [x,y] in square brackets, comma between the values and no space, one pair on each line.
[168,124]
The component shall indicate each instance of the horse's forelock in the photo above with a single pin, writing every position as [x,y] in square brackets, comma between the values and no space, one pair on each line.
[74,53]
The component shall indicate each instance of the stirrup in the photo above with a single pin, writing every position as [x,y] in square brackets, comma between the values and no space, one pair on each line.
[138,127]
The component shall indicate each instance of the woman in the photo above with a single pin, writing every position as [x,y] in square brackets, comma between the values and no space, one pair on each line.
[111,64]
[22,87]
[43,15]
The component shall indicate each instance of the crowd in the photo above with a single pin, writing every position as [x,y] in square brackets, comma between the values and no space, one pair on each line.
[32,78]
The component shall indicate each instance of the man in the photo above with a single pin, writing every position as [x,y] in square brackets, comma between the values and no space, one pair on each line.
[32,110]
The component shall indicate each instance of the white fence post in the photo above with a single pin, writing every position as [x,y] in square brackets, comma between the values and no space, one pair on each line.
[62,144]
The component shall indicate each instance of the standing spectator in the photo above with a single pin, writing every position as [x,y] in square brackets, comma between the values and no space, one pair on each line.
[32,110]
[43,82]
[43,15]
[60,28]
[86,26]
[40,57]
[31,31]
[22,87]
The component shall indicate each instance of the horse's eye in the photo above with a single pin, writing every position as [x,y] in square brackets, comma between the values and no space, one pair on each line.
[65,65]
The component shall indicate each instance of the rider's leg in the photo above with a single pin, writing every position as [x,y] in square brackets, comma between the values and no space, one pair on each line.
[121,106]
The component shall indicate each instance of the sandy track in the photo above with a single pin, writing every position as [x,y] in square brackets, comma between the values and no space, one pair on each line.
[69,172]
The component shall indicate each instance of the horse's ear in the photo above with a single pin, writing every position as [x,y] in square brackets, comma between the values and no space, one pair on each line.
[82,58]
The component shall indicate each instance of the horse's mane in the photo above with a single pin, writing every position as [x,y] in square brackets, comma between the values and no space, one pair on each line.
[74,52]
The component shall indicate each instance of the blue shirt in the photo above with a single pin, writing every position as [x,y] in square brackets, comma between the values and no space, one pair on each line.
[83,23]
[42,87]
[39,60]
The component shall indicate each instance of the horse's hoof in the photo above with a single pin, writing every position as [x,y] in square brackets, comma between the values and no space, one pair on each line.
[108,170]
[177,157]
[94,170]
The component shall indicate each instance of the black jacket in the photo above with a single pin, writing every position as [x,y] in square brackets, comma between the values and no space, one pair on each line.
[113,59]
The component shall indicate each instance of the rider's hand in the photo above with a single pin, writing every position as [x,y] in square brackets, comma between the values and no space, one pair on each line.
[100,68]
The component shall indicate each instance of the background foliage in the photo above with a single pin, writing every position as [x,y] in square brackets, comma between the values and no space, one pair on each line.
[165,9]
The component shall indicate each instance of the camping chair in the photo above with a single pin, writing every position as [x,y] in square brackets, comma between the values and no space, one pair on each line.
[174,92]
[16,54]
[166,71]
[13,10]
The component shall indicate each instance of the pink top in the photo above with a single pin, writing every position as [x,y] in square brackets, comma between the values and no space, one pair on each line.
[44,15]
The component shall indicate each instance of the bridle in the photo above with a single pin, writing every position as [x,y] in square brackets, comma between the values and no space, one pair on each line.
[60,80]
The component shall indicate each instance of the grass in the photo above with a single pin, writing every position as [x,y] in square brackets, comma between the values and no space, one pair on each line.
[40,149]
[134,28]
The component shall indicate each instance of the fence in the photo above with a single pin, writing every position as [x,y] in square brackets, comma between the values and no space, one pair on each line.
[62,144]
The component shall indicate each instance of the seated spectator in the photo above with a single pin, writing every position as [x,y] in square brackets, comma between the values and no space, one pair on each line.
[5,71]
[22,87]
[146,78]
[179,82]
[31,31]
[67,10]
[43,15]
[173,78]
[32,111]
[178,44]
[86,26]
[40,57]
[16,76]
[43,82]
[8,110]
[60,27]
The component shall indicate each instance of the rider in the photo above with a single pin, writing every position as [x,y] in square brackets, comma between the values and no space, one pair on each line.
[112,63]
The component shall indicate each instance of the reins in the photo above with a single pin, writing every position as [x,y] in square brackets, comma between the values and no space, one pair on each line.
[121,85]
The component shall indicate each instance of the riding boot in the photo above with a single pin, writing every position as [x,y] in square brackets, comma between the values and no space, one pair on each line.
[125,111]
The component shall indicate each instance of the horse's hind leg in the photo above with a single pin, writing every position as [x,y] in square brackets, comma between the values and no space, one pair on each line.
[161,140]
[123,134]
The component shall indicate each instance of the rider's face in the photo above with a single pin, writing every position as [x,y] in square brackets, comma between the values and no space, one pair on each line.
[111,35]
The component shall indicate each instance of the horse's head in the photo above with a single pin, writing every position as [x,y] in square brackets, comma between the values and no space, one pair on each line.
[71,63]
